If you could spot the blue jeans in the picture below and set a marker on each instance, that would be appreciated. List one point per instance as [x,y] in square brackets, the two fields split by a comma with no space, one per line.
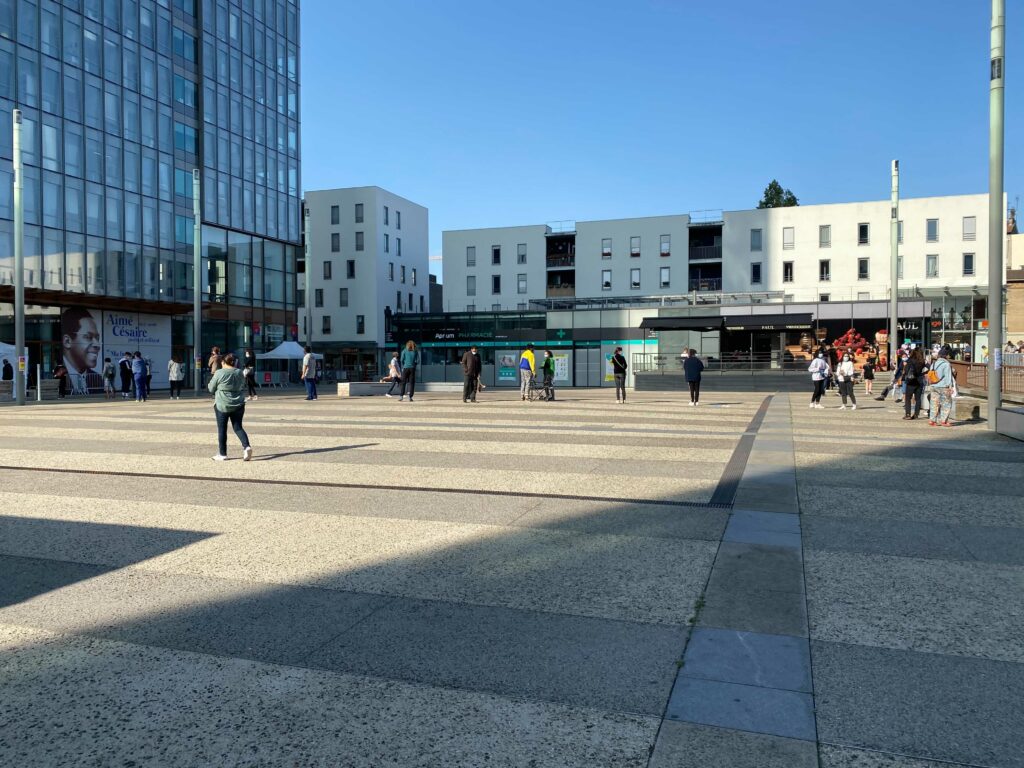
[235,417]
[310,389]
[140,387]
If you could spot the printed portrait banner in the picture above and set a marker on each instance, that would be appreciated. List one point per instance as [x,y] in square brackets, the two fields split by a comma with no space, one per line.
[81,340]
[148,334]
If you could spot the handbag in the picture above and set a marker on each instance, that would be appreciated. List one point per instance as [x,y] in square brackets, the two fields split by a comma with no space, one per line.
[932,376]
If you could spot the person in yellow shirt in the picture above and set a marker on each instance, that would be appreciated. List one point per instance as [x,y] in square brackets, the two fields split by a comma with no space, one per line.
[527,369]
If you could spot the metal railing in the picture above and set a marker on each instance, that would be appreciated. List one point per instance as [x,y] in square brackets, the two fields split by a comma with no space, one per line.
[778,362]
[974,376]
[706,284]
[561,290]
[698,252]
[561,261]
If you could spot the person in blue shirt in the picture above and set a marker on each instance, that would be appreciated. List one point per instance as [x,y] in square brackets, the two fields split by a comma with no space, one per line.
[139,371]
[692,369]
[527,370]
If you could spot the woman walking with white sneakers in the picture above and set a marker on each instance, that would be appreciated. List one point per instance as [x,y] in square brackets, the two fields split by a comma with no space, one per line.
[844,373]
[820,372]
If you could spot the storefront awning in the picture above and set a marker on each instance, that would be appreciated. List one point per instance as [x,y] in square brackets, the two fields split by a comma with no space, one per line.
[794,322]
[682,323]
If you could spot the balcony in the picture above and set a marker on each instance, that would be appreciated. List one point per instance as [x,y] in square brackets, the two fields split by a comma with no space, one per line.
[705,252]
[706,284]
[562,261]
[561,291]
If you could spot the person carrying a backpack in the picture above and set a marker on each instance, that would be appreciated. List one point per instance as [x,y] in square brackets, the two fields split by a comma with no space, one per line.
[913,380]
[619,366]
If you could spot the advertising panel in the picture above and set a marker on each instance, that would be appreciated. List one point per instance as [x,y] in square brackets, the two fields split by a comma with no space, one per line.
[148,334]
[507,363]
[563,369]
[81,343]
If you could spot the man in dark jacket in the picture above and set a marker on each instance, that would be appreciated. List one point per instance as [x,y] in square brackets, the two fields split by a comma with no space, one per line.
[471,367]
[693,366]
[619,366]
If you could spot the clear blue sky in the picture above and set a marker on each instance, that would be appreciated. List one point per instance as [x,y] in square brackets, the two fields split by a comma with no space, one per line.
[497,113]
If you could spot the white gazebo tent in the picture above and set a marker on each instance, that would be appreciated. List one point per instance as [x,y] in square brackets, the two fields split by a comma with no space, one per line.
[286,351]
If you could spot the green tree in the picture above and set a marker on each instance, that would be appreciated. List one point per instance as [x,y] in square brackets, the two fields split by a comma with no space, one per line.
[777,197]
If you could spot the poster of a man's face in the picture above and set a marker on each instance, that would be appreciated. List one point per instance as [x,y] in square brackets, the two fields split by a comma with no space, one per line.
[82,344]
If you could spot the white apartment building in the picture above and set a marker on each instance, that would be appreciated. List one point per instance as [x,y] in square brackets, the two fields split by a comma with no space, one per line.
[812,253]
[366,260]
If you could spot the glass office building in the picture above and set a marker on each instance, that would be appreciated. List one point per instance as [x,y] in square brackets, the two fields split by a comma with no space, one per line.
[121,100]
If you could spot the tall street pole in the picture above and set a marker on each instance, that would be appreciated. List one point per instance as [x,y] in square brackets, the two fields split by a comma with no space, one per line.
[308,321]
[894,272]
[996,229]
[197,283]
[19,266]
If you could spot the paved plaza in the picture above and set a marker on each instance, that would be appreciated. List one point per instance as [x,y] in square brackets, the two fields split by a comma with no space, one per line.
[745,584]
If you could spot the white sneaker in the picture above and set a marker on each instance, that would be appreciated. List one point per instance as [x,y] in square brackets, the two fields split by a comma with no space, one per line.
[388,395]
[692,403]
[853,407]
[811,405]
[617,400]
[842,407]
[247,453]
[219,457]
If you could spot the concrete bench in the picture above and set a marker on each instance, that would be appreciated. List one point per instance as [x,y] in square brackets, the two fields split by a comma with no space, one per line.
[1010,422]
[362,388]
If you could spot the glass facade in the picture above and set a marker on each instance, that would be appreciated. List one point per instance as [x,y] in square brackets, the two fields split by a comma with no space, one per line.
[121,100]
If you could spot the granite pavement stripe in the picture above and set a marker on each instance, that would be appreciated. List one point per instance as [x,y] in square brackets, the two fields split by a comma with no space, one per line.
[686,745]
[155,705]
[732,475]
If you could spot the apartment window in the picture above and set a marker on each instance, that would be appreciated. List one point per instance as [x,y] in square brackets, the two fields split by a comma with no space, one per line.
[825,236]
[471,285]
[398,223]
[422,306]
[665,277]
[318,297]
[398,300]
[495,284]
[359,241]
[413,275]
[335,242]
[495,254]
[634,246]
[968,265]
[899,232]
[387,243]
[755,273]
[863,234]
[343,298]
[325,326]
[863,272]
[359,213]
[606,279]
[521,253]
[634,279]
[970,229]
[863,295]
[391,271]
[824,297]
[398,246]
[931,265]
[386,216]
[825,270]
[327,270]
[401,274]
[360,324]
[788,238]
[899,267]
[787,271]
[350,269]
[335,215]
[520,283]
[470,256]
[931,230]
[756,240]
[666,245]
[606,247]
[471,307]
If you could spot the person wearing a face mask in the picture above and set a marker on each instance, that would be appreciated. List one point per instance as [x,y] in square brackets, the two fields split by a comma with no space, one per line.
[820,372]
[844,373]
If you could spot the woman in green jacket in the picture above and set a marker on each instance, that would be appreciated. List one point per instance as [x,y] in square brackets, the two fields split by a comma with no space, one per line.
[228,389]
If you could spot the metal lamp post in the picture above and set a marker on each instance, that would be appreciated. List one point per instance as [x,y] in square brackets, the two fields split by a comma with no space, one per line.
[894,271]
[19,266]
[996,230]
[197,282]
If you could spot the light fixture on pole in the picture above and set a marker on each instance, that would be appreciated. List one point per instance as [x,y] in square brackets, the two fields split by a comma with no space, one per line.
[996,210]
[197,283]
[20,373]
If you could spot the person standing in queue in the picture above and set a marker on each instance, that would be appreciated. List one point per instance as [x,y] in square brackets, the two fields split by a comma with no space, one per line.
[548,372]
[527,370]
[844,374]
[249,372]
[139,369]
[124,366]
[471,368]
[693,367]
[409,361]
[309,373]
[619,366]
